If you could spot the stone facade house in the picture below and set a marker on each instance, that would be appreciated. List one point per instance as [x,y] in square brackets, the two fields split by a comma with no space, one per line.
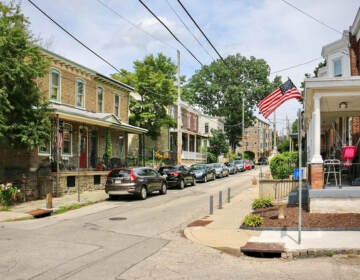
[332,125]
[89,109]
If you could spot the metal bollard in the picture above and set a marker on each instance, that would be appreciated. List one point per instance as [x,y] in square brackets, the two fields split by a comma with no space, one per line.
[211,204]
[228,195]
[220,199]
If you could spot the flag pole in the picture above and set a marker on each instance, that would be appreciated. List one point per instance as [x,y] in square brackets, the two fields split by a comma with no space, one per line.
[300,174]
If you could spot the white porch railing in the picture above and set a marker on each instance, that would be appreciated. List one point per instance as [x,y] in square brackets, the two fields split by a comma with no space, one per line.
[193,156]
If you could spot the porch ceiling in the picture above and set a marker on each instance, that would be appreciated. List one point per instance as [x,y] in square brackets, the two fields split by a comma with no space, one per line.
[332,91]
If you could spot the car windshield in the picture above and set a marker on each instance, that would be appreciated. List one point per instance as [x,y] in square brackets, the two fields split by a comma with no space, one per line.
[198,167]
[119,173]
[238,161]
[217,165]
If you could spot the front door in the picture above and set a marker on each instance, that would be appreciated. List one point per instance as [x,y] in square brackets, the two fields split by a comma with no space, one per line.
[83,148]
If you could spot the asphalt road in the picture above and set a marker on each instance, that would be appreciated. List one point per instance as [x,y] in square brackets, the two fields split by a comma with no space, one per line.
[133,239]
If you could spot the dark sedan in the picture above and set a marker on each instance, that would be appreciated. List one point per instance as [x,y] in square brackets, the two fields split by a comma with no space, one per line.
[177,176]
[203,172]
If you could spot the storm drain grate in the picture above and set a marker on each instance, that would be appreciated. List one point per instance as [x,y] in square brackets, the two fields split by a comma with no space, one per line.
[117,218]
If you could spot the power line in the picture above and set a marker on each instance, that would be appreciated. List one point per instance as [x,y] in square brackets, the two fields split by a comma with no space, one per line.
[310,16]
[202,33]
[133,24]
[72,36]
[168,29]
[188,29]
[297,65]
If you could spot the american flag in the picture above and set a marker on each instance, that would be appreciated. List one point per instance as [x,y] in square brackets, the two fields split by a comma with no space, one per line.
[283,93]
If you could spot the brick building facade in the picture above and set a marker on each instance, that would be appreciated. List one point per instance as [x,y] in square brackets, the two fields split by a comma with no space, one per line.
[87,109]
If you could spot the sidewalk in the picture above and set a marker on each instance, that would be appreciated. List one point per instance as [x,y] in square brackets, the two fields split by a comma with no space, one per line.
[223,233]
[21,210]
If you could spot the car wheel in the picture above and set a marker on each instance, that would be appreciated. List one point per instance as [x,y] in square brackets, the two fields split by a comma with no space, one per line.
[193,183]
[182,184]
[143,193]
[163,188]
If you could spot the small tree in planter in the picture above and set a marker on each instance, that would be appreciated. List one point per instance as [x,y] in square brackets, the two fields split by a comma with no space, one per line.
[283,165]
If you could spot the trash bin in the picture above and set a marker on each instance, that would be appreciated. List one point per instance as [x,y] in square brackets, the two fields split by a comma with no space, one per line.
[296,174]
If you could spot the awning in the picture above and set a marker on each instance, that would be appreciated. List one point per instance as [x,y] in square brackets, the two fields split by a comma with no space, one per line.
[70,113]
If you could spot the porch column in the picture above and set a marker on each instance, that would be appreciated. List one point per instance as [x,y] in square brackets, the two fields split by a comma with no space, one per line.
[316,158]
[316,168]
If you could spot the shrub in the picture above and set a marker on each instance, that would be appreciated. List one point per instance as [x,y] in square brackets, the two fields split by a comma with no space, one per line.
[7,192]
[253,220]
[261,203]
[283,165]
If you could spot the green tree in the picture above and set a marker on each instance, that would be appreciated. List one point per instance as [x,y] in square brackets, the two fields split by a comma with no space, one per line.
[249,155]
[24,113]
[153,80]
[219,89]
[284,146]
[218,143]
[294,126]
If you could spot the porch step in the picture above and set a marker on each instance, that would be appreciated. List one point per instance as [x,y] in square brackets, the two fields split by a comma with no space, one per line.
[40,213]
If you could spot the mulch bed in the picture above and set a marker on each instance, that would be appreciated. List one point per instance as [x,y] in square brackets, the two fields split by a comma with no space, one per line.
[308,220]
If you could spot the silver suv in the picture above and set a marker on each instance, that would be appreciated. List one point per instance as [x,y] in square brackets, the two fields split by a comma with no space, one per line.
[240,165]
[138,181]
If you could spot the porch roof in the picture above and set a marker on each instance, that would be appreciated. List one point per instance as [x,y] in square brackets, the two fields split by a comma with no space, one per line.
[71,113]
[332,91]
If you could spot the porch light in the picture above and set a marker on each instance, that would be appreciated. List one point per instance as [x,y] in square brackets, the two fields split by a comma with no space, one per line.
[343,105]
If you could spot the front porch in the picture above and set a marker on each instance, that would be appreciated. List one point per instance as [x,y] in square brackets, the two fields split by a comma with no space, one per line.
[331,124]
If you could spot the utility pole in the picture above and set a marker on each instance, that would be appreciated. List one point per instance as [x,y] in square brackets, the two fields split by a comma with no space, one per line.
[243,123]
[179,134]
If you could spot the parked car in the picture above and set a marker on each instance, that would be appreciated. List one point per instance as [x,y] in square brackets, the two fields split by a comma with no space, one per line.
[240,165]
[139,181]
[263,161]
[203,172]
[247,165]
[177,176]
[252,164]
[220,170]
[231,167]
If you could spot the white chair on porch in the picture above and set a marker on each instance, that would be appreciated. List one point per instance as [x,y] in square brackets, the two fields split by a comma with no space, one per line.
[332,170]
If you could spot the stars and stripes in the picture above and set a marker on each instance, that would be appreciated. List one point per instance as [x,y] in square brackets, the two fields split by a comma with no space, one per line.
[283,93]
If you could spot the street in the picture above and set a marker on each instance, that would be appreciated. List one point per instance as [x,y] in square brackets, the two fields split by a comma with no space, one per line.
[132,239]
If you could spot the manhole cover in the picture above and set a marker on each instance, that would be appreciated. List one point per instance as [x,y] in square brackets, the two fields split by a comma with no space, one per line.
[117,219]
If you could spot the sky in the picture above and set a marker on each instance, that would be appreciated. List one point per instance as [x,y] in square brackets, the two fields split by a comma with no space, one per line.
[285,33]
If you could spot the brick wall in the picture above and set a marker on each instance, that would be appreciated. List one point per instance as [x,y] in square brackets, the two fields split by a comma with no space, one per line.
[354,56]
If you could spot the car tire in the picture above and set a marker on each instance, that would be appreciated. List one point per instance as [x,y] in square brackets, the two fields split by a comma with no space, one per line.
[193,183]
[163,189]
[143,193]
[182,184]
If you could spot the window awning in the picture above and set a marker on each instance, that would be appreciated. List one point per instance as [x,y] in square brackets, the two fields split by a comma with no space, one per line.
[70,113]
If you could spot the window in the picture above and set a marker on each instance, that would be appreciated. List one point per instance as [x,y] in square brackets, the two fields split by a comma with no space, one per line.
[45,148]
[117,105]
[67,139]
[206,127]
[80,93]
[54,85]
[100,99]
[337,68]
